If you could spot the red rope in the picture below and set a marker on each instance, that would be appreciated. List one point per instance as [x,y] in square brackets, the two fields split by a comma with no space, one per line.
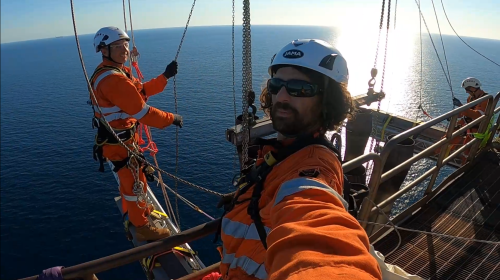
[212,276]
[151,146]
[423,111]
[136,67]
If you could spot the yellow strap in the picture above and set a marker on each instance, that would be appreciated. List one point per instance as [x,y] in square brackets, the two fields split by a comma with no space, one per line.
[484,136]
[270,160]
[384,127]
[185,250]
[160,213]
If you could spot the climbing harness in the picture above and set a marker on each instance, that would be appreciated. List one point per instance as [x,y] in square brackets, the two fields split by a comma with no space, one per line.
[256,175]
[106,124]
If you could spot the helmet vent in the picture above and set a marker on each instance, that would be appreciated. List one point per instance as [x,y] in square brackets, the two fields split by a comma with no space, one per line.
[327,61]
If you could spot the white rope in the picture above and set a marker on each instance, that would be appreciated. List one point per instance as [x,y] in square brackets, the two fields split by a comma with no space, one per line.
[434,233]
[134,58]
[392,225]
[189,203]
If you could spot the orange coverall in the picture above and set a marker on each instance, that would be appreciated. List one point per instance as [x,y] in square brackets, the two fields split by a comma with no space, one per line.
[310,233]
[465,118]
[124,98]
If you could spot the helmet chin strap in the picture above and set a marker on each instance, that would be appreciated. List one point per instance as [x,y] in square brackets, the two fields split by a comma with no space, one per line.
[109,56]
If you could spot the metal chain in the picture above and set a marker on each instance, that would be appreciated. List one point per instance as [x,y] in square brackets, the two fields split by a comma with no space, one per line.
[247,78]
[175,103]
[234,97]
[185,30]
[386,45]
[379,32]
[138,188]
[375,143]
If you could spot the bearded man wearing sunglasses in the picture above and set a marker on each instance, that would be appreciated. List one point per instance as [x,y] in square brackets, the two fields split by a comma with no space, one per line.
[289,219]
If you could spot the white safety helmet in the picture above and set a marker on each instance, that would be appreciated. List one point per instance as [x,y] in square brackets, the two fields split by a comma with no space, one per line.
[108,35]
[313,54]
[471,82]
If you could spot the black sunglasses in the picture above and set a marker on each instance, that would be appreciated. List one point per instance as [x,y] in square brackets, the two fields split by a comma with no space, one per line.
[295,88]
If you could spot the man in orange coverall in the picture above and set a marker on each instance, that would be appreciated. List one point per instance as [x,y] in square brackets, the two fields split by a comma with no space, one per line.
[293,223]
[122,101]
[473,87]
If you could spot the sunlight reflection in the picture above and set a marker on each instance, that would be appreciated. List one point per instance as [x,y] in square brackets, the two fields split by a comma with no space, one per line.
[402,75]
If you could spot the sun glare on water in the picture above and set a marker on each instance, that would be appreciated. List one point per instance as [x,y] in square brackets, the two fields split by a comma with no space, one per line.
[399,82]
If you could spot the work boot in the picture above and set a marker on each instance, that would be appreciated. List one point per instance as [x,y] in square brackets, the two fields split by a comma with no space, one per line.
[149,232]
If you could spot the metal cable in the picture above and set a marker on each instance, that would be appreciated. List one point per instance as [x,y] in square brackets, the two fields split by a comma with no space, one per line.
[444,50]
[175,104]
[463,40]
[110,129]
[435,49]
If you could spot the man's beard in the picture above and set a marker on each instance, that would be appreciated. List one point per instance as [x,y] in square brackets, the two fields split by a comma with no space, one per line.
[291,125]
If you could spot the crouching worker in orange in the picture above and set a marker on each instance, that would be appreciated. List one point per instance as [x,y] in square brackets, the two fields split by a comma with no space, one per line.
[473,87]
[122,101]
[288,219]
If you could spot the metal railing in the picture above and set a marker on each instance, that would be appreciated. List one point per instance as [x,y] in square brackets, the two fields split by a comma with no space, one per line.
[378,178]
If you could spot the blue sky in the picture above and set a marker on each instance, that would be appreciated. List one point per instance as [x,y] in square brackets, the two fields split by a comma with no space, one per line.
[35,19]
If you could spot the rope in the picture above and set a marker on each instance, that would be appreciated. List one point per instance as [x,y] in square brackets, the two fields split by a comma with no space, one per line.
[435,233]
[396,228]
[175,103]
[110,129]
[189,203]
[421,65]
[444,50]
[125,17]
[131,27]
[151,146]
[392,225]
[463,40]
[396,13]
[170,210]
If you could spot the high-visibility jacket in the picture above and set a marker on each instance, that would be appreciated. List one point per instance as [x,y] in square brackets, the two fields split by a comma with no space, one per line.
[122,99]
[310,234]
[473,113]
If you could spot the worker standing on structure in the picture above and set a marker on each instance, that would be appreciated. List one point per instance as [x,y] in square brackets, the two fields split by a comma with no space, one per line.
[122,101]
[473,87]
[288,219]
